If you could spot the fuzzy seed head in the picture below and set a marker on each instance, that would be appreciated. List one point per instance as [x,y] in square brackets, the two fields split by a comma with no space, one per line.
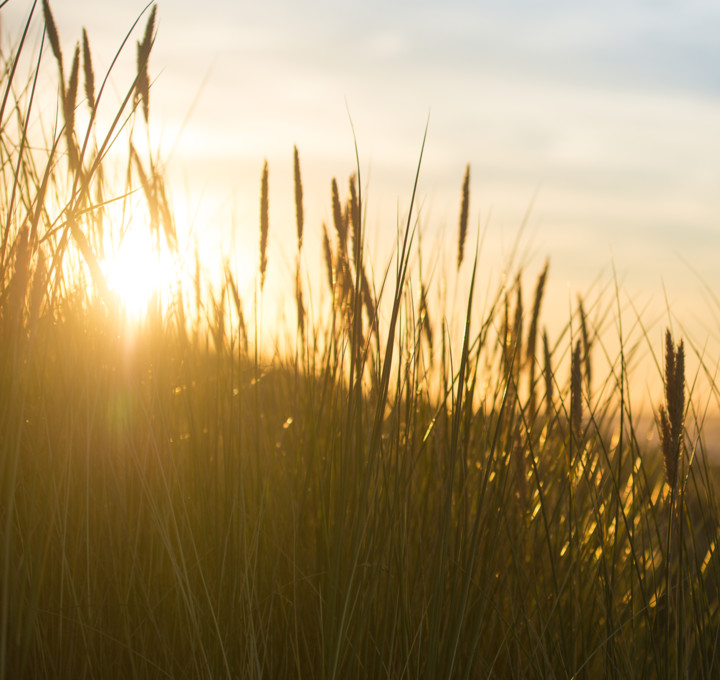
[548,375]
[299,214]
[586,344]
[52,34]
[354,219]
[69,103]
[532,333]
[264,223]
[517,325]
[338,219]
[576,407]
[89,73]
[464,211]
[672,412]
[142,85]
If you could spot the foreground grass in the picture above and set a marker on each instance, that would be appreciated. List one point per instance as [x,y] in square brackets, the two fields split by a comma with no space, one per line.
[374,505]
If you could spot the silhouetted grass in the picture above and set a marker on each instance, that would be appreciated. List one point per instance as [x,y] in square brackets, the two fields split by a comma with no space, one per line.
[177,504]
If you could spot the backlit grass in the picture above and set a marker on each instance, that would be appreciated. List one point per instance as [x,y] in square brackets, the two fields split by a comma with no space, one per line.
[381,500]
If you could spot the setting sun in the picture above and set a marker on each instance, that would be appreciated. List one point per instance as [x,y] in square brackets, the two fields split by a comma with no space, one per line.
[137,270]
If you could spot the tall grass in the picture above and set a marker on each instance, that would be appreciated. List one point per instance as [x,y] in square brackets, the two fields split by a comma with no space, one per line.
[177,504]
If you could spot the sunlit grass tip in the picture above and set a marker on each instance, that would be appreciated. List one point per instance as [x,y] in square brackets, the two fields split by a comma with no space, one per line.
[672,412]
[264,223]
[464,212]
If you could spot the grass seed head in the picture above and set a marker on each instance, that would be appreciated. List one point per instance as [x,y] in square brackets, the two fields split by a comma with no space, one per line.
[52,35]
[299,214]
[354,219]
[587,344]
[464,210]
[669,459]
[517,325]
[505,335]
[532,340]
[338,219]
[264,223]
[89,74]
[672,412]
[548,374]
[149,30]
[69,102]
[142,86]
[532,332]
[576,406]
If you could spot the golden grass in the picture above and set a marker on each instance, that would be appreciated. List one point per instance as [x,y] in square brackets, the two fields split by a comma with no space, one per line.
[183,504]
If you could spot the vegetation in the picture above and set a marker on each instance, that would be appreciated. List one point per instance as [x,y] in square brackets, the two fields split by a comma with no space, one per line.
[379,502]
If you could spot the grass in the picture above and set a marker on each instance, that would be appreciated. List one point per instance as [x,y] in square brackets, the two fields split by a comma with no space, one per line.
[384,500]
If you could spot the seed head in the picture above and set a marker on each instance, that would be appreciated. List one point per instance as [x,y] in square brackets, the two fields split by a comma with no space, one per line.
[264,223]
[464,209]
[52,34]
[672,412]
[89,73]
[576,408]
[299,214]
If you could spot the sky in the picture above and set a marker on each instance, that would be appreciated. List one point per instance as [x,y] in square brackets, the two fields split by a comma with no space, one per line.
[604,118]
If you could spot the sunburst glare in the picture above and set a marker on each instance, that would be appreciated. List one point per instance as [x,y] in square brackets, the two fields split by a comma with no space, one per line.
[138,269]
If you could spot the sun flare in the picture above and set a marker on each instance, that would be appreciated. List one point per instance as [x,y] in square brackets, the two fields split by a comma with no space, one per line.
[137,270]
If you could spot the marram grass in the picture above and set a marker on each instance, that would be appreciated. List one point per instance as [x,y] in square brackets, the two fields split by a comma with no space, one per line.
[372,505]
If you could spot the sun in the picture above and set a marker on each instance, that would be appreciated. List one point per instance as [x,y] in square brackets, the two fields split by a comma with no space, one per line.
[137,270]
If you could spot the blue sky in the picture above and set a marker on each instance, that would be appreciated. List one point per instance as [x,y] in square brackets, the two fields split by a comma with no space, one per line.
[608,112]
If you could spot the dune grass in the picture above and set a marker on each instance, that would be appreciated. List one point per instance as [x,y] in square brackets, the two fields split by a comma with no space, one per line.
[382,501]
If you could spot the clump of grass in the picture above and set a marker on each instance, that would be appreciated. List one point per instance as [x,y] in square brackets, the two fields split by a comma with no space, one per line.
[182,503]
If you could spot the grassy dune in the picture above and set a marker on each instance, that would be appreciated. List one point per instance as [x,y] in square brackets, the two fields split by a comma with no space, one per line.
[380,501]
